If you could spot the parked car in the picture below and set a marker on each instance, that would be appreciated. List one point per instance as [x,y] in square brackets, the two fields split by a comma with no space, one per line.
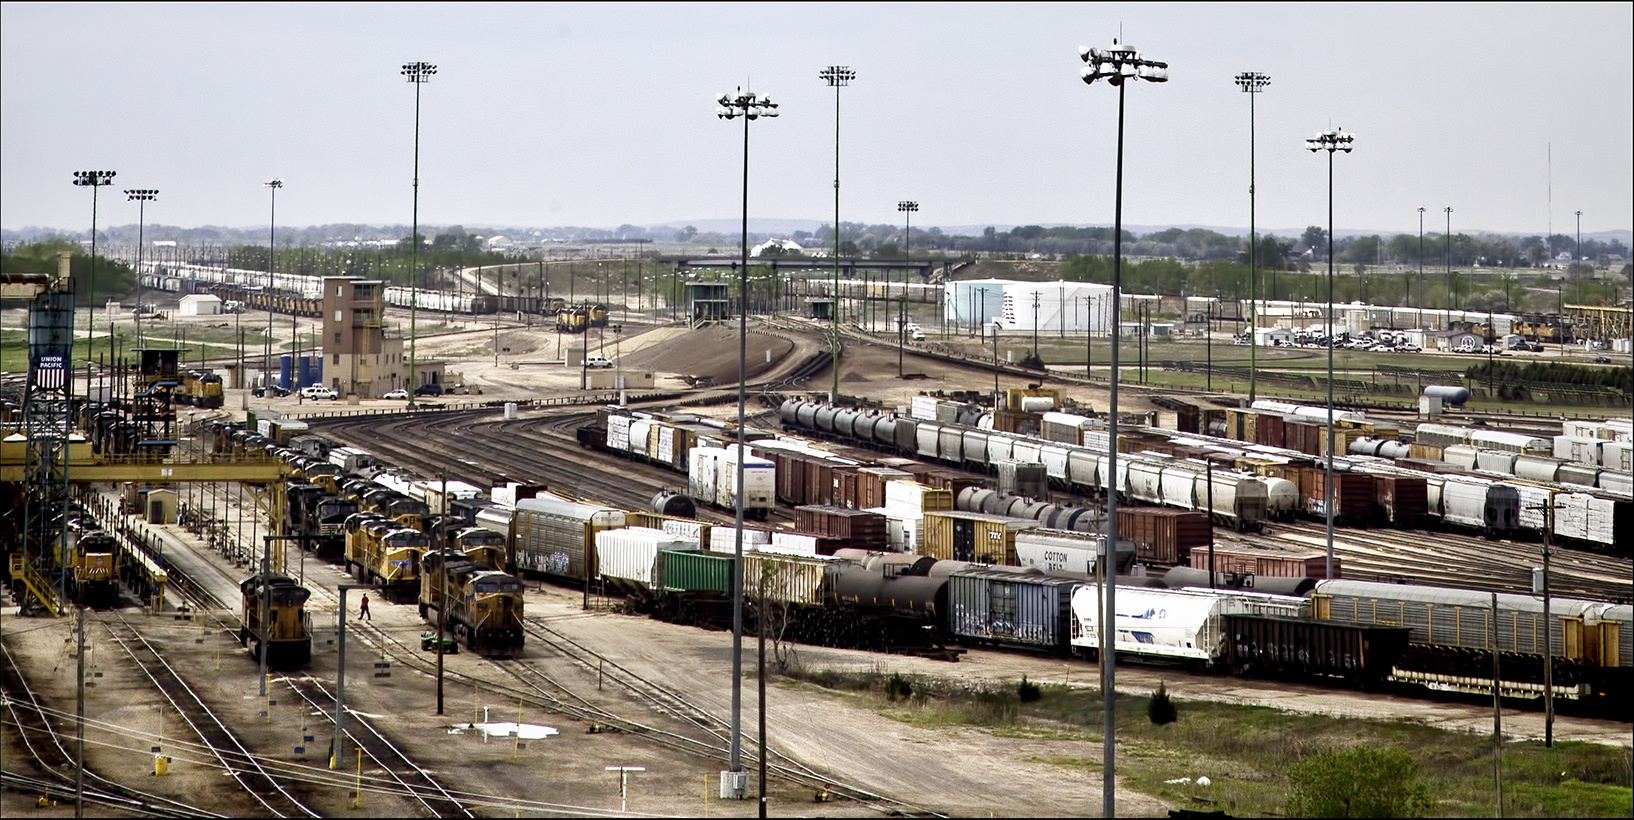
[459,390]
[1602,360]
[597,361]
[271,390]
[318,391]
[432,389]
[399,394]
[916,334]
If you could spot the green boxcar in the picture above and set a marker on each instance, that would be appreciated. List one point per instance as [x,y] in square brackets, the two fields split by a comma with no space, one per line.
[692,571]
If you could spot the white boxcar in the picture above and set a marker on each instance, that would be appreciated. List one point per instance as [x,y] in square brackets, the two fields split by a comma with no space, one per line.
[759,482]
[725,539]
[1511,442]
[1055,462]
[1170,623]
[1578,449]
[924,408]
[1055,551]
[1617,455]
[703,467]
[630,554]
[640,434]
[618,433]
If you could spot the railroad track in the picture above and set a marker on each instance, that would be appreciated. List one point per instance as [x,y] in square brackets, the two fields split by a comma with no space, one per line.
[1444,560]
[667,701]
[268,790]
[409,777]
[45,745]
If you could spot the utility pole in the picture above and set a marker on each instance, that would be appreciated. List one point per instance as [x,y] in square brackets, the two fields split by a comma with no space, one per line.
[79,716]
[1548,631]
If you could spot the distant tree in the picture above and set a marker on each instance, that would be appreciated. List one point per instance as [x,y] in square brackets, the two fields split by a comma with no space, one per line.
[686,234]
[1360,782]
[849,248]
[1315,237]
[888,250]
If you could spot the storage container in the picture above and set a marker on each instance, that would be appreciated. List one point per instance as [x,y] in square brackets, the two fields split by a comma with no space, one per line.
[1008,607]
[959,536]
[1162,535]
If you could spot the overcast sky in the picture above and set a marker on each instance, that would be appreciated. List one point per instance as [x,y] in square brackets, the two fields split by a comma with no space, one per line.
[603,114]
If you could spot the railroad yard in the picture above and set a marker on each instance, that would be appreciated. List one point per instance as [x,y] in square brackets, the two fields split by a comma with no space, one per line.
[601,681]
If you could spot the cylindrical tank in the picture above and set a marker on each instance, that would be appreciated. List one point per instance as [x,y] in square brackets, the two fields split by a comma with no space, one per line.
[970,499]
[1448,393]
[996,503]
[1015,506]
[285,364]
[843,421]
[885,431]
[825,418]
[1037,404]
[897,563]
[317,369]
[806,414]
[510,411]
[303,373]
[673,504]
[788,411]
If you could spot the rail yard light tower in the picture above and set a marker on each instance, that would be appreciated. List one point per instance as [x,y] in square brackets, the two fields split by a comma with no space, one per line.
[419,74]
[1252,83]
[907,208]
[272,254]
[141,196]
[748,106]
[837,76]
[1448,209]
[1119,65]
[1579,250]
[1330,141]
[93,180]
[1421,267]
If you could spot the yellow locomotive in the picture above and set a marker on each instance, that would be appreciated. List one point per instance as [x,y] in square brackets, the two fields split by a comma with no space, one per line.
[95,567]
[199,388]
[382,551]
[483,605]
[483,546]
[289,627]
[573,319]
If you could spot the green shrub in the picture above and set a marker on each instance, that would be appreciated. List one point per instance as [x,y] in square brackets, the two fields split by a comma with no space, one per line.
[898,687]
[1161,708]
[1360,782]
[1028,691]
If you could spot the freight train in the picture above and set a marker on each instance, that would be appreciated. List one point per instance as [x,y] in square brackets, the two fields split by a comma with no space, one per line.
[381,551]
[1360,634]
[1369,489]
[95,557]
[483,606]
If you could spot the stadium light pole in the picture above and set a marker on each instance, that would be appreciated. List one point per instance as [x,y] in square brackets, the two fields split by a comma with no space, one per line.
[272,253]
[1448,209]
[1421,267]
[1579,235]
[1330,141]
[419,74]
[837,76]
[907,208]
[1252,83]
[1119,66]
[93,180]
[141,196]
[748,106]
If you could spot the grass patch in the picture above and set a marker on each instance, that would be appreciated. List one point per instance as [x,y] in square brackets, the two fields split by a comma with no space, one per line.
[1247,751]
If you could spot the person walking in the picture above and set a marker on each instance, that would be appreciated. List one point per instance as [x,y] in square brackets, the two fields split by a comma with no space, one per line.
[363,610]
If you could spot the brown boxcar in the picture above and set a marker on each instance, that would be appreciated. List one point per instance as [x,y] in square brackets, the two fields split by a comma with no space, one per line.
[1354,496]
[871,485]
[865,530]
[1162,535]
[1403,500]
[1262,561]
[1270,429]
